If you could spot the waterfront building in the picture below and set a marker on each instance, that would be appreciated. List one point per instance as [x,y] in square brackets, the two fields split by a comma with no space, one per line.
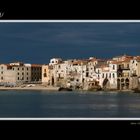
[135,72]
[60,74]
[36,73]
[135,66]
[123,74]
[46,75]
[107,76]
[22,72]
[7,74]
[15,73]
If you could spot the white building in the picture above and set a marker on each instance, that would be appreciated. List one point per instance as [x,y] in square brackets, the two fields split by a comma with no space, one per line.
[15,72]
[135,66]
[55,61]
[107,76]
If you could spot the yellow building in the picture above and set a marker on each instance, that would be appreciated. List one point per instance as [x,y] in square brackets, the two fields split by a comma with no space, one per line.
[46,75]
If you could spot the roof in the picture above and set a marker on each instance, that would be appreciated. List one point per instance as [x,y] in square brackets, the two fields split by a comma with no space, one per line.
[80,62]
[137,58]
[36,65]
[126,60]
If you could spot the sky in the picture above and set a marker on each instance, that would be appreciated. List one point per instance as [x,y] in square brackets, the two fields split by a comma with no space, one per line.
[39,42]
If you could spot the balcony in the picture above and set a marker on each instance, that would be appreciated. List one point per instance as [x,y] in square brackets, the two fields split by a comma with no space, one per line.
[133,75]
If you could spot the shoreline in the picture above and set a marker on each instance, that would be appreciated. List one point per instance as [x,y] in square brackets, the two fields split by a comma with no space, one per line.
[30,88]
[57,89]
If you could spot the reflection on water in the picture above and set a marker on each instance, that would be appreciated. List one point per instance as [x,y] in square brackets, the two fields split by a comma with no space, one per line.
[68,104]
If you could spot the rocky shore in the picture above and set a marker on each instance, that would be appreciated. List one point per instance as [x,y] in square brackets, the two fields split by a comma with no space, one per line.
[51,88]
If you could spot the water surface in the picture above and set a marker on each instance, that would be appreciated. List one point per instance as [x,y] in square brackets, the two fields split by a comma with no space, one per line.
[54,104]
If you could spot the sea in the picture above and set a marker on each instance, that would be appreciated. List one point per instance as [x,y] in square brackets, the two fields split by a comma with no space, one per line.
[69,104]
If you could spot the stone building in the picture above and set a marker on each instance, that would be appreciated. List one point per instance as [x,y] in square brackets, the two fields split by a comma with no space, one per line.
[15,73]
[46,75]
[135,66]
[22,72]
[7,74]
[135,73]
[36,73]
[107,76]
[123,74]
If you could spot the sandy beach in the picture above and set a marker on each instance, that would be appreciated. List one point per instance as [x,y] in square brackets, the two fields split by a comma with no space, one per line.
[30,88]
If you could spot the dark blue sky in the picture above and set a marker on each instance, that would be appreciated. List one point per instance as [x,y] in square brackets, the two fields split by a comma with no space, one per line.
[38,42]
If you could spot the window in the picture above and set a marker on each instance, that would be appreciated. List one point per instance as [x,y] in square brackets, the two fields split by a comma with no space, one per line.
[98,71]
[113,75]
[77,80]
[103,75]
[2,72]
[113,67]
[110,75]
[22,78]
[27,68]
[136,64]
[127,65]
[122,66]
[1,78]
[45,75]
[133,61]
[44,70]
[22,68]
[13,68]
[18,73]
[98,76]
[22,73]
[18,78]
[106,75]
[27,73]
[18,68]
[27,78]
[1,67]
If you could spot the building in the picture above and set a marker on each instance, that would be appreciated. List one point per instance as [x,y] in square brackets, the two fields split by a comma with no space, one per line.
[135,73]
[46,75]
[107,76]
[55,61]
[135,66]
[7,74]
[15,73]
[22,72]
[36,73]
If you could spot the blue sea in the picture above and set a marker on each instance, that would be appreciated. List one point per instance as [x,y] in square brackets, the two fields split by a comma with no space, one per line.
[54,104]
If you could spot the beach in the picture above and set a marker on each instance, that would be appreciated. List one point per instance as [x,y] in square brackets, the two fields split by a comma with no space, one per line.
[30,88]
